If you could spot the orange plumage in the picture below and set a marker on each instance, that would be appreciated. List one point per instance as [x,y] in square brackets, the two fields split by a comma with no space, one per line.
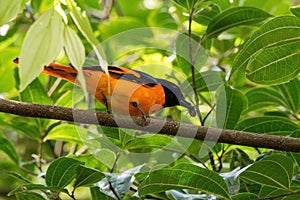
[128,92]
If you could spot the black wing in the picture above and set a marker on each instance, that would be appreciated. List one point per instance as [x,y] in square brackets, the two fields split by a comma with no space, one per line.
[132,76]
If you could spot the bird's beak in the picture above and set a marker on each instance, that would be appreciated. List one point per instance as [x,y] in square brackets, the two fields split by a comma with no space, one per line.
[191,108]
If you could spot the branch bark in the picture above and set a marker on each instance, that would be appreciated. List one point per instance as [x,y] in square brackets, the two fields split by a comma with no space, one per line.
[155,125]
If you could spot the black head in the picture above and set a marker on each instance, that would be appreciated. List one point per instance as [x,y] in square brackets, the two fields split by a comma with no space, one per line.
[174,96]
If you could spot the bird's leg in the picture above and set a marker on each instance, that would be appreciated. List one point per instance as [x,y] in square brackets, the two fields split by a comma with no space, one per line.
[106,103]
[135,104]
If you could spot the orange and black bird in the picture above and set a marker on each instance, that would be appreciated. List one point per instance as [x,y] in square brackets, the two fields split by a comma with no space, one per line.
[129,92]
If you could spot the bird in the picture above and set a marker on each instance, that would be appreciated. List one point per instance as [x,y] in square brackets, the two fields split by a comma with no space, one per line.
[122,90]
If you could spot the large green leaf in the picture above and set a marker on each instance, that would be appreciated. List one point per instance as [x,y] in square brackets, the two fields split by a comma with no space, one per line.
[230,104]
[7,147]
[43,42]
[274,65]
[279,30]
[61,172]
[74,47]
[35,93]
[273,125]
[234,17]
[182,176]
[262,172]
[267,191]
[261,97]
[291,94]
[9,10]
[146,143]
[67,132]
[87,176]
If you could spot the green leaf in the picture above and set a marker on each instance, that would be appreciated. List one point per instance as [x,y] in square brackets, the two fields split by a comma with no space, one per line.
[187,4]
[291,94]
[274,65]
[273,125]
[295,10]
[229,106]
[74,47]
[234,17]
[61,172]
[82,22]
[262,172]
[7,147]
[162,18]
[42,43]
[9,10]
[87,176]
[207,81]
[67,133]
[267,191]
[98,195]
[35,93]
[147,143]
[19,177]
[24,126]
[260,98]
[205,15]
[244,196]
[183,176]
[7,75]
[279,30]
[29,196]
[31,187]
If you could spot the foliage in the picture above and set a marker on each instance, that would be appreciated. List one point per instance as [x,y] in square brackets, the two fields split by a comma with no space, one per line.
[236,61]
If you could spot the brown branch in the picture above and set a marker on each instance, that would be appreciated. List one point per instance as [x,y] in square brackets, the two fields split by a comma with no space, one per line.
[173,128]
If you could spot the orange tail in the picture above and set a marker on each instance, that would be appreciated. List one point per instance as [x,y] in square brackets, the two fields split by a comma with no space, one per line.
[65,72]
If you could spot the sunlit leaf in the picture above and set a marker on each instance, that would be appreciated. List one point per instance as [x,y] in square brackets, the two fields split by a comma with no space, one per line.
[43,42]
[74,47]
[234,17]
[67,132]
[153,142]
[9,10]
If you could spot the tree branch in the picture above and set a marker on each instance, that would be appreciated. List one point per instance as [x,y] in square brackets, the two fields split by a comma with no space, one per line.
[173,128]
